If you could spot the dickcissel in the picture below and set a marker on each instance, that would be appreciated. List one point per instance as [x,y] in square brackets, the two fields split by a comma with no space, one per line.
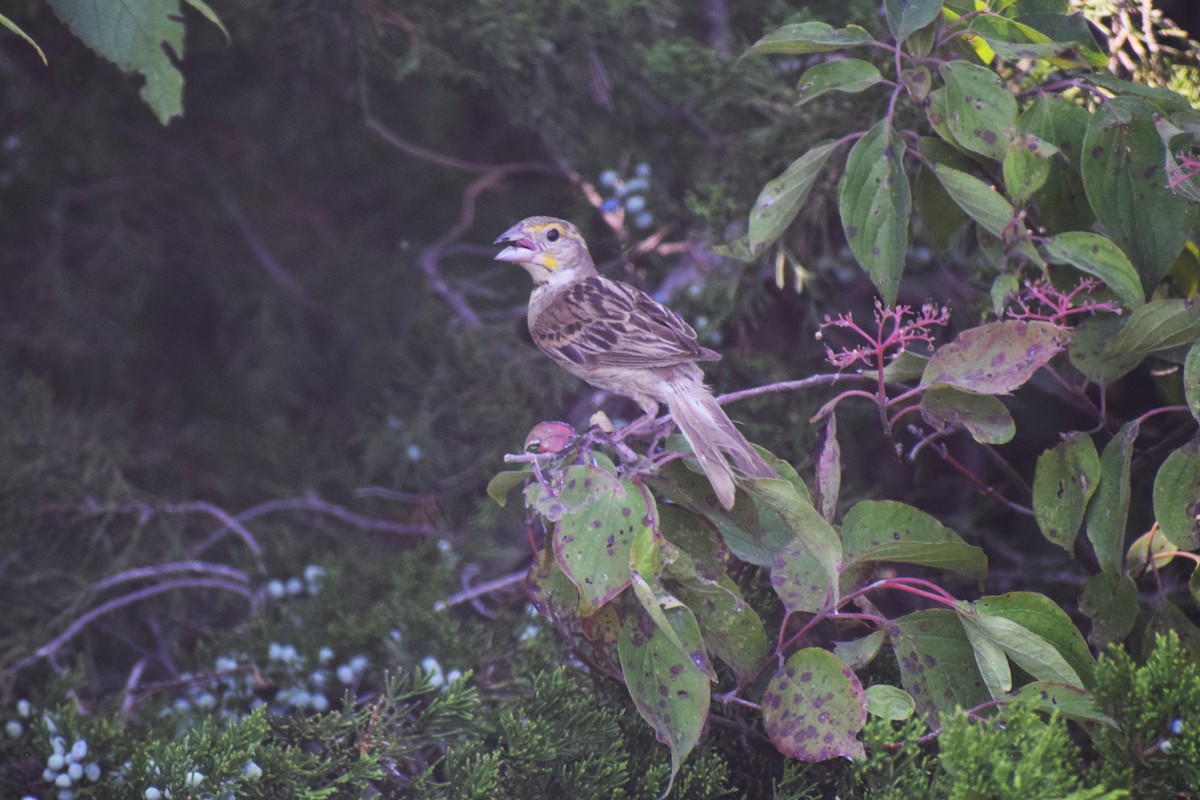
[618,338]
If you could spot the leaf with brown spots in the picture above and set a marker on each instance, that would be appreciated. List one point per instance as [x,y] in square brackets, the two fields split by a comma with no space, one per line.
[1070,702]
[874,201]
[670,690]
[1124,174]
[982,112]
[814,708]
[1063,482]
[995,358]
[596,519]
[937,662]
[805,572]
[732,630]
[887,530]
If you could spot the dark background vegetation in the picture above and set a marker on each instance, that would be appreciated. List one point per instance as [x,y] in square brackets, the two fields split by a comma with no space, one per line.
[289,293]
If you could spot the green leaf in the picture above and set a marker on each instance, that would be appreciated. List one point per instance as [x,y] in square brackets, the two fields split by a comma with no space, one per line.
[669,690]
[1064,480]
[780,200]
[887,530]
[498,488]
[551,591]
[843,75]
[801,581]
[1157,325]
[645,551]
[860,652]
[920,43]
[889,702]
[1061,200]
[936,113]
[753,532]
[1125,180]
[1111,603]
[809,37]
[918,81]
[1167,619]
[981,111]
[1054,19]
[597,519]
[1164,99]
[206,11]
[814,708]
[1151,546]
[1191,380]
[1177,497]
[140,36]
[981,202]
[905,17]
[1088,350]
[732,631]
[908,366]
[805,573]
[1005,287]
[1015,40]
[1109,509]
[1098,256]
[995,358]
[874,202]
[1026,166]
[937,663]
[940,217]
[1069,702]
[1044,619]
[985,417]
[654,603]
[12,26]
[990,657]
[695,536]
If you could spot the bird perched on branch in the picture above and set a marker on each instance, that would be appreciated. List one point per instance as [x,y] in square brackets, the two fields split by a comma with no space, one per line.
[618,338]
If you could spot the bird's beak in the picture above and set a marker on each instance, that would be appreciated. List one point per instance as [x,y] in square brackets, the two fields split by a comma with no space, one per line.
[520,247]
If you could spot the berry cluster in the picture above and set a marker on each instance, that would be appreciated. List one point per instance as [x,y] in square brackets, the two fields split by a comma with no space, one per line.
[629,194]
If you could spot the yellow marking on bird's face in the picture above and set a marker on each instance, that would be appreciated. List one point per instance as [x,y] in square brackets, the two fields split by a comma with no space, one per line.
[549,233]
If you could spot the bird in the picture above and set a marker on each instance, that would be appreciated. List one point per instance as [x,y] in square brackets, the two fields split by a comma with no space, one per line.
[620,339]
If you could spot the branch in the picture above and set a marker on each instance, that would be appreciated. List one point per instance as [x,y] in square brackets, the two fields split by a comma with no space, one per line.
[341,513]
[487,587]
[274,268]
[165,569]
[145,511]
[51,648]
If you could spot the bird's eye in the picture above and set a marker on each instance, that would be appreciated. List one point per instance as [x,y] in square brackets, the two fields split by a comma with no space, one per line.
[552,235]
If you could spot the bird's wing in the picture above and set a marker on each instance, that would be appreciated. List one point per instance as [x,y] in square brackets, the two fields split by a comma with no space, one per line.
[599,322]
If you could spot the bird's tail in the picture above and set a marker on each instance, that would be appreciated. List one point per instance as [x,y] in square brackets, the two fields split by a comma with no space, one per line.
[713,436]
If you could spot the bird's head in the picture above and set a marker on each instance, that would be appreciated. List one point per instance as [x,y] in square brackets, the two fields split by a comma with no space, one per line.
[551,250]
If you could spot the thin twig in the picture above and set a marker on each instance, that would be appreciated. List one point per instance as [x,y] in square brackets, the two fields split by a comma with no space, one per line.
[274,268]
[340,513]
[51,648]
[159,570]
[145,511]
[487,587]
[791,386]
